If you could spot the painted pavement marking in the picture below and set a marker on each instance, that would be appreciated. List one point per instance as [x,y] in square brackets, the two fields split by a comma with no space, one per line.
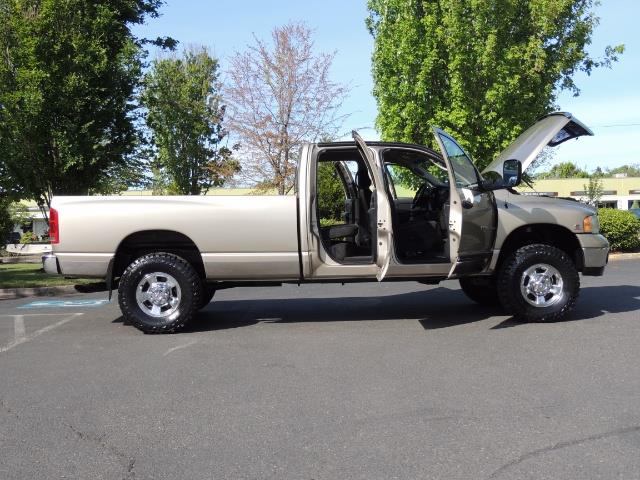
[64,304]
[19,331]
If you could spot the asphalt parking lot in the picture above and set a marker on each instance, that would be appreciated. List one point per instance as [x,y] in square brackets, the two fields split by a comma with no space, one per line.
[363,381]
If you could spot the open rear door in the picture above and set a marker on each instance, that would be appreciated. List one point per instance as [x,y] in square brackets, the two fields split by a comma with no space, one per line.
[472,211]
[383,209]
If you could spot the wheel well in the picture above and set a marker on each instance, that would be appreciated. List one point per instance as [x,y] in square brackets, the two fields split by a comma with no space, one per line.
[548,234]
[148,241]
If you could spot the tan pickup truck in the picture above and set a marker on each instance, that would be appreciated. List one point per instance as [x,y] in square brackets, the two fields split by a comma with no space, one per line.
[410,213]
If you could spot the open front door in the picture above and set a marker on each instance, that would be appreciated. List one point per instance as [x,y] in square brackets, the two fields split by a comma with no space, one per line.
[472,212]
[382,208]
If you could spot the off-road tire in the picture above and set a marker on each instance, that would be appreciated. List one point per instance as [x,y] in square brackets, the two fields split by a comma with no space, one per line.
[481,289]
[181,271]
[208,291]
[511,273]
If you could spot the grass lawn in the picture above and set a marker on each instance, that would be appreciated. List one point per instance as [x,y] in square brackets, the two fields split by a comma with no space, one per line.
[18,275]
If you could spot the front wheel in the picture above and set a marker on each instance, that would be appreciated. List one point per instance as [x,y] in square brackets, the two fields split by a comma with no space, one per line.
[481,289]
[159,293]
[538,283]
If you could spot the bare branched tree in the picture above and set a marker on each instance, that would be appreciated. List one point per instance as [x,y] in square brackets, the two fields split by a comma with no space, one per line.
[279,96]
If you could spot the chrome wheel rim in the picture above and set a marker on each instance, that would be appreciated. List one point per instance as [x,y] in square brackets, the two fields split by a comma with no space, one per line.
[541,285]
[158,294]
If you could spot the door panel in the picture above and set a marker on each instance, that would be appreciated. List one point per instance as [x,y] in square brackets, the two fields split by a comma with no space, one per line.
[383,208]
[472,214]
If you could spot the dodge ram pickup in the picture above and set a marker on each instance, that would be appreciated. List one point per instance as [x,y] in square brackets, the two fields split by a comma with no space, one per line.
[410,213]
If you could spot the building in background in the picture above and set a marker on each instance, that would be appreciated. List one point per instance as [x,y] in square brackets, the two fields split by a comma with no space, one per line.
[622,193]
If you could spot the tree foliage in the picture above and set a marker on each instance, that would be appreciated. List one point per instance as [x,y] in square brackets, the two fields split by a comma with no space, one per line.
[484,70]
[280,95]
[185,116]
[68,72]
[11,214]
[331,193]
[564,170]
[6,222]
[594,190]
[629,170]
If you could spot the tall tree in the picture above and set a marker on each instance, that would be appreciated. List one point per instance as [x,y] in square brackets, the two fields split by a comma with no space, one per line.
[68,71]
[484,70]
[280,95]
[185,116]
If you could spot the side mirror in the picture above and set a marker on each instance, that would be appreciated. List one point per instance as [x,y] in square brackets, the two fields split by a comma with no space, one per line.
[511,176]
[511,172]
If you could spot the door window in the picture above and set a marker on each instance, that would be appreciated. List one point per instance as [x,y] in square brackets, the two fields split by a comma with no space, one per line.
[403,182]
[464,171]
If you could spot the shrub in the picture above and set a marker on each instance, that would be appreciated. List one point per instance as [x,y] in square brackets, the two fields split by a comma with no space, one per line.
[28,237]
[622,228]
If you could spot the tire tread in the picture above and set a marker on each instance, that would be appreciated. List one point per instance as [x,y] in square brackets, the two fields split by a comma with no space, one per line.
[129,307]
[506,283]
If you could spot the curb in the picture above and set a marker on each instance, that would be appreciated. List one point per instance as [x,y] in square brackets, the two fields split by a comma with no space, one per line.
[13,293]
[21,259]
[624,256]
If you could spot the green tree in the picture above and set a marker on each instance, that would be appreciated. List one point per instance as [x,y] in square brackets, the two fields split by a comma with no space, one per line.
[564,170]
[594,190]
[331,193]
[6,222]
[484,70]
[11,214]
[68,74]
[629,170]
[185,116]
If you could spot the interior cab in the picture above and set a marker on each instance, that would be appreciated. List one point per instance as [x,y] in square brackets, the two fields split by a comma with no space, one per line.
[381,209]
[418,188]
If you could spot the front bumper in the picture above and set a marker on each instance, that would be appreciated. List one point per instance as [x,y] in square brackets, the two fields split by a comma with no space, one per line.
[50,264]
[595,252]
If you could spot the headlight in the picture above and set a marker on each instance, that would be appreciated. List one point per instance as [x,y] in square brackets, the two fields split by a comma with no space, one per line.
[591,224]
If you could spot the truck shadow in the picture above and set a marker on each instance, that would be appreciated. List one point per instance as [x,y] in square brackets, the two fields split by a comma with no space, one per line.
[596,302]
[434,309]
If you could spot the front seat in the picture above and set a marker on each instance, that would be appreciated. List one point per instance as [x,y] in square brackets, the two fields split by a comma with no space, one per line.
[363,182]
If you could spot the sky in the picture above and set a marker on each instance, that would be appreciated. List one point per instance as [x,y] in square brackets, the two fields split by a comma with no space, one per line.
[609,102]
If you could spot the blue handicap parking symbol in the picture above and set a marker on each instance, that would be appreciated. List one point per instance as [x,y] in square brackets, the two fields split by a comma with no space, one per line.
[65,303]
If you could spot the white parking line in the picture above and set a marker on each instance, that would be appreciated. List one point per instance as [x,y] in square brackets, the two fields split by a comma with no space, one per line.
[18,328]
[20,336]
[188,344]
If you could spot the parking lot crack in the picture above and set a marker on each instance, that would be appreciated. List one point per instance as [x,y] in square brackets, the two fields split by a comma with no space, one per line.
[127,461]
[8,410]
[561,445]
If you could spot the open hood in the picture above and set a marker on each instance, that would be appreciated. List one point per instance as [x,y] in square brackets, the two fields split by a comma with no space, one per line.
[551,130]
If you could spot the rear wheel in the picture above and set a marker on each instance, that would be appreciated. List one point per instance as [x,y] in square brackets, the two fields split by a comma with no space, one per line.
[482,290]
[159,293]
[538,283]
